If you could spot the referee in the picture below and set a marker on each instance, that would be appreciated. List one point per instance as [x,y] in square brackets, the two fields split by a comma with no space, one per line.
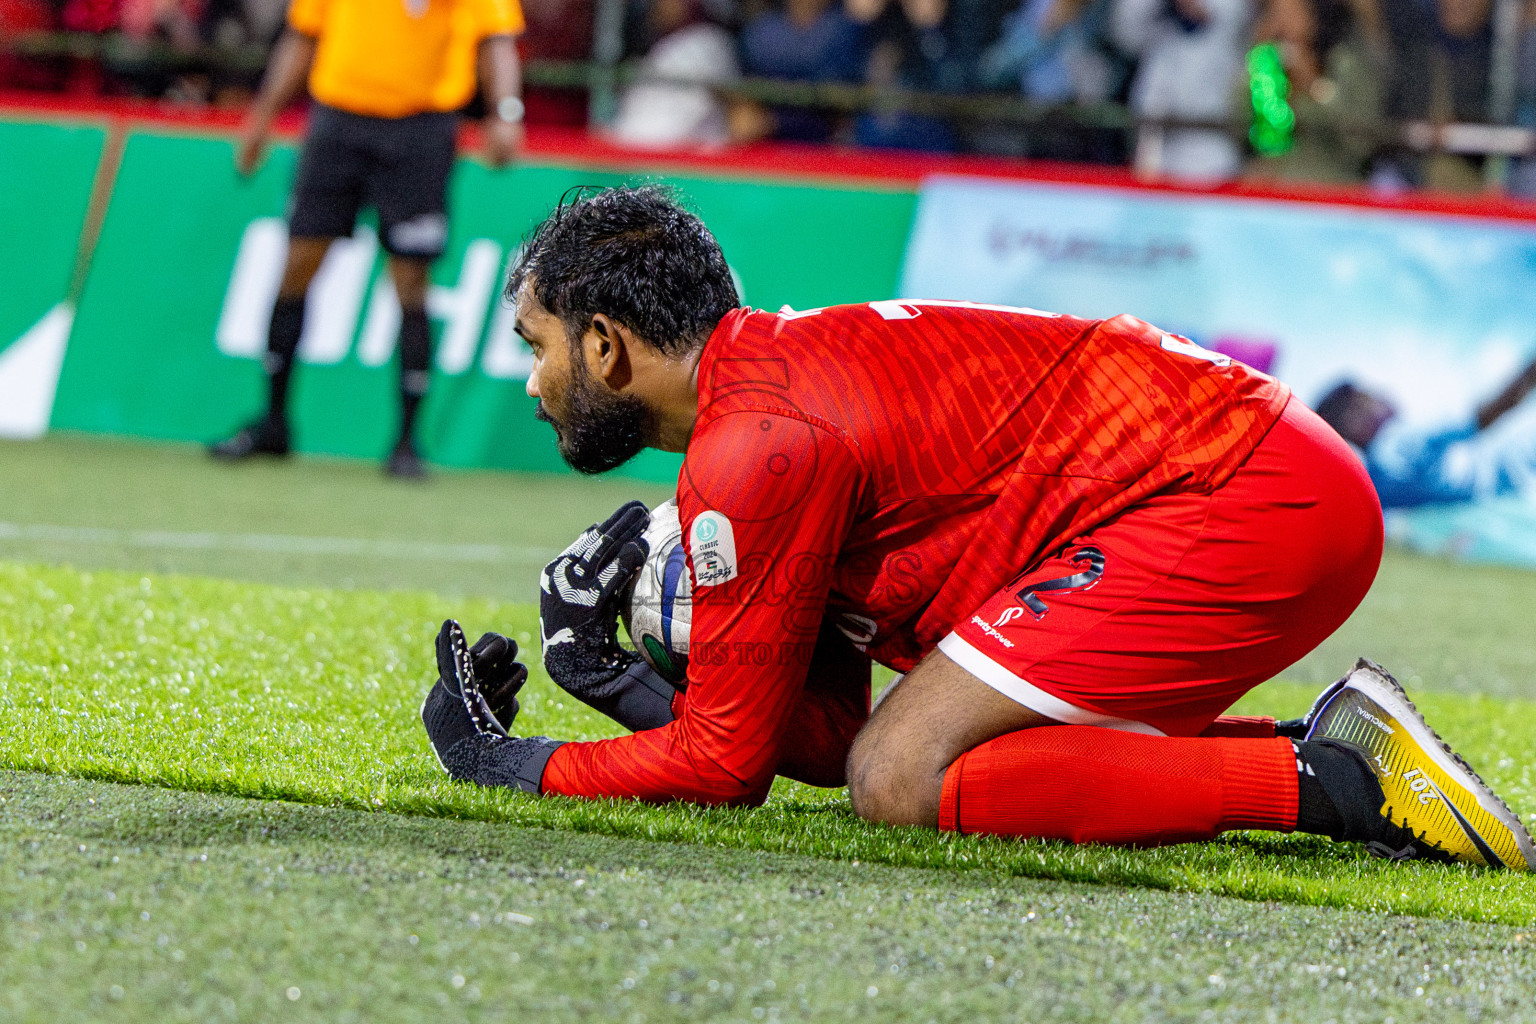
[387,78]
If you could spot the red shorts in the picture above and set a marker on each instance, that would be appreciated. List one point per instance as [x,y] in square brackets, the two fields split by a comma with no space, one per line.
[1159,619]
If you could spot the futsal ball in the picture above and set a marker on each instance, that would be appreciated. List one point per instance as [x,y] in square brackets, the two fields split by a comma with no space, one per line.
[657,609]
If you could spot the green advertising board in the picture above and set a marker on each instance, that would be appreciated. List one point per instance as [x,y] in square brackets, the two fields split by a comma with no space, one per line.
[171,326]
[45,188]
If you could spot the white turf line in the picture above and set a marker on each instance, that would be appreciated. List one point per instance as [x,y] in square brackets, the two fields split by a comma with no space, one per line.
[273,544]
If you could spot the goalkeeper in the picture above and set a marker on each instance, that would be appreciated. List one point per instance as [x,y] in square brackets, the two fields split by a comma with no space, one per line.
[1080,540]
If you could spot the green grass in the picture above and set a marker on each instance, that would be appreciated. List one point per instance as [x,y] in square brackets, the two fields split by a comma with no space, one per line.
[311,695]
[133,904]
[111,504]
[289,665]
[139,507]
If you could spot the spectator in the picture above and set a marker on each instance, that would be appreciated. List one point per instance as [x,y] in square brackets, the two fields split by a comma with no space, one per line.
[232,24]
[1522,175]
[90,15]
[1058,52]
[1334,55]
[1455,462]
[1055,51]
[557,30]
[909,49]
[1191,53]
[175,21]
[264,19]
[229,23]
[19,17]
[674,101]
[801,41]
[1440,55]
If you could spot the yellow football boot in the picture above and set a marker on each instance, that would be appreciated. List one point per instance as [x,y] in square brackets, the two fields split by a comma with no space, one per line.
[1435,807]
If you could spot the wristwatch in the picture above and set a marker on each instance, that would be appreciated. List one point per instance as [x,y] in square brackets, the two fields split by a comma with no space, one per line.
[511,109]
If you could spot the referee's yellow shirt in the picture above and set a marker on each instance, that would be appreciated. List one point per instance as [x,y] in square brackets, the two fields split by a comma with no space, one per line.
[394,58]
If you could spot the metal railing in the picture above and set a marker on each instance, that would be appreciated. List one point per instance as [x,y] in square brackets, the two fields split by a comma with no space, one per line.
[603,78]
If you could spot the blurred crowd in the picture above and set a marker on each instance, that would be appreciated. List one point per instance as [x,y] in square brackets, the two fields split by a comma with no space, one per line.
[1325,84]
[1347,72]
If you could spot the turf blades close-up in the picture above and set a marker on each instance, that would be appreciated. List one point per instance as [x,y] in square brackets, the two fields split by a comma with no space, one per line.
[169,907]
[312,695]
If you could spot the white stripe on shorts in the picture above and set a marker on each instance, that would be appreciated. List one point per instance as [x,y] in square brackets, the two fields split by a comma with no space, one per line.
[1031,696]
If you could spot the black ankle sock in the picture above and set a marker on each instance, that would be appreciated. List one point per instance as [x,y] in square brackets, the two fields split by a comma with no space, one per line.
[1292,728]
[282,343]
[415,366]
[1337,793]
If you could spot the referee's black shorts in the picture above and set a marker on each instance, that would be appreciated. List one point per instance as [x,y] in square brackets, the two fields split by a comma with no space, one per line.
[399,166]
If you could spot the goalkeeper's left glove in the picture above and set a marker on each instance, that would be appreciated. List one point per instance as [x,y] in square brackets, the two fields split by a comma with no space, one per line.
[470,707]
[579,597]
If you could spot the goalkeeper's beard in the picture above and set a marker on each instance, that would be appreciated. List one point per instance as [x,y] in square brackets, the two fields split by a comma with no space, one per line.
[601,430]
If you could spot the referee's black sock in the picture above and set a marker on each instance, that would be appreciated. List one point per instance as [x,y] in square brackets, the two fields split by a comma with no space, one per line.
[415,366]
[282,343]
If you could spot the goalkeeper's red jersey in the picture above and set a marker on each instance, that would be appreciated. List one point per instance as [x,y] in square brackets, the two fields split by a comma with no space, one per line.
[889,466]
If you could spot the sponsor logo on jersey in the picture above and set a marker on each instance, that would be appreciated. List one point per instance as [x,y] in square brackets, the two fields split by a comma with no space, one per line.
[712,542]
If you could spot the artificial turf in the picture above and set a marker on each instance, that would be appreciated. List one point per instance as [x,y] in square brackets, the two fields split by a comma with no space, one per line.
[134,904]
[100,503]
[312,695]
[296,674]
[122,504]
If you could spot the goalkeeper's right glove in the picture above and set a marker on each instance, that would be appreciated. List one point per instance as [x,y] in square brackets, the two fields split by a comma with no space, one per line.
[579,597]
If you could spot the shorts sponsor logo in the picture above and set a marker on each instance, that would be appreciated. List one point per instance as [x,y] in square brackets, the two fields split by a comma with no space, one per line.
[1009,614]
[712,542]
[987,628]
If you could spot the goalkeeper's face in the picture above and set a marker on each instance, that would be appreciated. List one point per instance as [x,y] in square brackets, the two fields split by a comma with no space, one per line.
[596,428]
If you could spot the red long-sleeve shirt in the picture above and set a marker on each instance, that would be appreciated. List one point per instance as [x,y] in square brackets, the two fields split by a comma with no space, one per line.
[889,466]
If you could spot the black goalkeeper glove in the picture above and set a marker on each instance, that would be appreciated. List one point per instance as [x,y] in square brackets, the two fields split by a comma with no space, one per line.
[579,599]
[471,706]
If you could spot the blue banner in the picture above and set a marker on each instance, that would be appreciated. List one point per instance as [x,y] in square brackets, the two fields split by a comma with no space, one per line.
[1434,314]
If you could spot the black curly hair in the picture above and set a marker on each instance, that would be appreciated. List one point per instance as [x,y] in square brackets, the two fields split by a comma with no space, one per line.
[632,253]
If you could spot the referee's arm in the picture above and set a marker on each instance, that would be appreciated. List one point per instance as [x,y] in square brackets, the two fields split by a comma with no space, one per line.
[501,83]
[287,71]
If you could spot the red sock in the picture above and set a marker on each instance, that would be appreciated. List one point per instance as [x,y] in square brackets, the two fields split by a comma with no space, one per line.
[1085,784]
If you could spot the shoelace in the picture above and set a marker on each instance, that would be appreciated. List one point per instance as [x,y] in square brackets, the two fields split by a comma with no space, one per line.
[1411,845]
